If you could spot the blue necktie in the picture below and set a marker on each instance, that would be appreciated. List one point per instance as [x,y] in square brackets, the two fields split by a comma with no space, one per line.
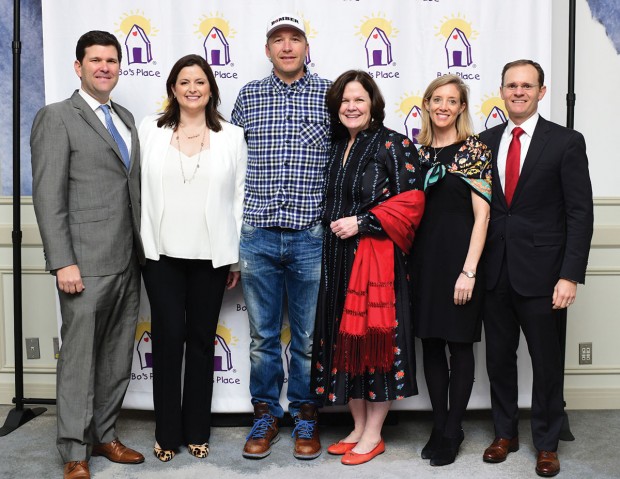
[122,146]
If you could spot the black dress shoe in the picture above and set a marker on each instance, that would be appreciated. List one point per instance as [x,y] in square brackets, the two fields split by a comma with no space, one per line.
[447,451]
[433,444]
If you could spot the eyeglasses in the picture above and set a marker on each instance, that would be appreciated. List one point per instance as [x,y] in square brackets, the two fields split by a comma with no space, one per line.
[523,86]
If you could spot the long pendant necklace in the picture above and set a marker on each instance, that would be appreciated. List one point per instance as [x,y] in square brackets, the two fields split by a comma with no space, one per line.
[202,142]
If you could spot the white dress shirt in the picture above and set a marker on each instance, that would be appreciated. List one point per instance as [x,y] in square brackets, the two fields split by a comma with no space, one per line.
[118,123]
[528,126]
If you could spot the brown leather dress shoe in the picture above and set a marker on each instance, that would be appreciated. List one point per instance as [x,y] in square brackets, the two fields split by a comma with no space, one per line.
[76,470]
[306,433]
[547,464]
[115,451]
[264,433]
[499,449]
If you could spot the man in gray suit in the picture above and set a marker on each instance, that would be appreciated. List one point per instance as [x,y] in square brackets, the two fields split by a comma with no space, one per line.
[86,193]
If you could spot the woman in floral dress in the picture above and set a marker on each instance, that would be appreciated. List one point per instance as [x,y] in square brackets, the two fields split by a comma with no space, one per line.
[363,353]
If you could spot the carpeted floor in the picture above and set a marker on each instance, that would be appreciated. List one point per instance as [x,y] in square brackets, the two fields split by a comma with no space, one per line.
[30,451]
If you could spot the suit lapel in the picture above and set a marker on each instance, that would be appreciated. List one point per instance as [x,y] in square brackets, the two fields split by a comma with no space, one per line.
[497,188]
[90,117]
[537,145]
[126,119]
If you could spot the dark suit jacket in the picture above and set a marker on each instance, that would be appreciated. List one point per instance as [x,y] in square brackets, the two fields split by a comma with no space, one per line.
[86,202]
[545,234]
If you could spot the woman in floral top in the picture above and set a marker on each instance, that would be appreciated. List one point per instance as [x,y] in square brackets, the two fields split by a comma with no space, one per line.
[447,278]
[363,353]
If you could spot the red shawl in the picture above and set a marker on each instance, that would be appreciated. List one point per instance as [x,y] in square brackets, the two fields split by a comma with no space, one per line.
[366,336]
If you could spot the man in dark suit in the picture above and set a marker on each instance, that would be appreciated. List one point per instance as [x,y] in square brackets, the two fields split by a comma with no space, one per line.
[86,194]
[536,252]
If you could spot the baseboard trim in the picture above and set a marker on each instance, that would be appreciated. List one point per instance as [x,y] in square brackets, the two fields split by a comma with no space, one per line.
[576,398]
[592,398]
[39,391]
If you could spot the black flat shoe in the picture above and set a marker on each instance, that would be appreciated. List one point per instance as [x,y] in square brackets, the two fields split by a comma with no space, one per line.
[447,451]
[432,445]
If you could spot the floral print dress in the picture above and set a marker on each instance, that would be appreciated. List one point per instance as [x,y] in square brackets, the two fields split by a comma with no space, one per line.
[381,164]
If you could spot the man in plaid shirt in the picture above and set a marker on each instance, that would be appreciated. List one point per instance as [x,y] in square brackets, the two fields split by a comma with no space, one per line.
[286,126]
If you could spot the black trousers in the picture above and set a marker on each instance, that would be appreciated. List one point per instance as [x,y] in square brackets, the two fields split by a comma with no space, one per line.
[185,297]
[506,313]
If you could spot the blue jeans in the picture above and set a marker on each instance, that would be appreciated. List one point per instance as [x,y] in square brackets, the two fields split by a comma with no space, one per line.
[278,264]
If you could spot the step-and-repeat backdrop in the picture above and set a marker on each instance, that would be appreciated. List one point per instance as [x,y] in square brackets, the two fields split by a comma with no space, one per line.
[403,45]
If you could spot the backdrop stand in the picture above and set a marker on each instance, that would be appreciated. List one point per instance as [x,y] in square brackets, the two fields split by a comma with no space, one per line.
[565,432]
[19,415]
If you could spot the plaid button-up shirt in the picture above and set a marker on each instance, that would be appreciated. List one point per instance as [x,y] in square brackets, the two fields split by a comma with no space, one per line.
[287,132]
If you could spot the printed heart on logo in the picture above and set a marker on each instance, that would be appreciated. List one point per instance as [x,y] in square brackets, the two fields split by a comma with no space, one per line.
[494,115]
[135,34]
[376,35]
[213,35]
[414,114]
[455,36]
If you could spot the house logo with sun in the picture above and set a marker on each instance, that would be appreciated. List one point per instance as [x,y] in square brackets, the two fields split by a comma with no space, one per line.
[457,34]
[222,357]
[410,109]
[491,111]
[144,347]
[285,339]
[216,32]
[311,33]
[136,31]
[377,33]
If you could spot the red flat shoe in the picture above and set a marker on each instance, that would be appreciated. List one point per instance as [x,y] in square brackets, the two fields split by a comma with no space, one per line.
[340,448]
[353,459]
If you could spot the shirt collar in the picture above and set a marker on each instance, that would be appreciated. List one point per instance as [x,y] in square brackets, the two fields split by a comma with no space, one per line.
[297,85]
[528,125]
[94,104]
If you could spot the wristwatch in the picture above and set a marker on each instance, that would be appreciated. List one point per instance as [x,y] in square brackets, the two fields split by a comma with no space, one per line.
[469,274]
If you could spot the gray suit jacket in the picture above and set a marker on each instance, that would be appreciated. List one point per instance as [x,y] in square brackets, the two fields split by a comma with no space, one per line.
[86,202]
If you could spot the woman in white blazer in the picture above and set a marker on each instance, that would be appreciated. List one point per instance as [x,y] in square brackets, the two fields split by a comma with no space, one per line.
[193,169]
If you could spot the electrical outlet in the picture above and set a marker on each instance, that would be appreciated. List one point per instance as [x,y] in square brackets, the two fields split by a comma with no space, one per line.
[56,348]
[32,348]
[585,353]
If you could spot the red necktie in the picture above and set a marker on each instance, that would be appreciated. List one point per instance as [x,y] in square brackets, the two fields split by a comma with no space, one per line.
[513,161]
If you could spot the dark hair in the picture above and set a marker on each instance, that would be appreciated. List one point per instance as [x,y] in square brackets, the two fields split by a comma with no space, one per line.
[96,37]
[519,63]
[172,114]
[334,100]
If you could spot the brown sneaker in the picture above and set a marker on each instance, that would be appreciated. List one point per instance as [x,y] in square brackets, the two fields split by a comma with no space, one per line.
[264,433]
[306,433]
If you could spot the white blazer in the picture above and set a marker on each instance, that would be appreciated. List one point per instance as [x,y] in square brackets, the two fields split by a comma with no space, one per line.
[223,209]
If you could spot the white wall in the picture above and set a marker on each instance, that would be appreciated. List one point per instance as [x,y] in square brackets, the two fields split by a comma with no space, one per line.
[593,318]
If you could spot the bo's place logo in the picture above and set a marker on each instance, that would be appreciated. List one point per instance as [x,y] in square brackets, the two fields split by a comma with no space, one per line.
[377,33]
[310,34]
[458,34]
[409,107]
[222,358]
[144,345]
[492,111]
[217,32]
[137,30]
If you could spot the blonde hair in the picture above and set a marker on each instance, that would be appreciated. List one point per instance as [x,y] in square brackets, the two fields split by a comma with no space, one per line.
[464,127]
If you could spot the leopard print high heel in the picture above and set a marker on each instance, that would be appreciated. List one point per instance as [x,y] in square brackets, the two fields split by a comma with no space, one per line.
[199,450]
[164,455]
